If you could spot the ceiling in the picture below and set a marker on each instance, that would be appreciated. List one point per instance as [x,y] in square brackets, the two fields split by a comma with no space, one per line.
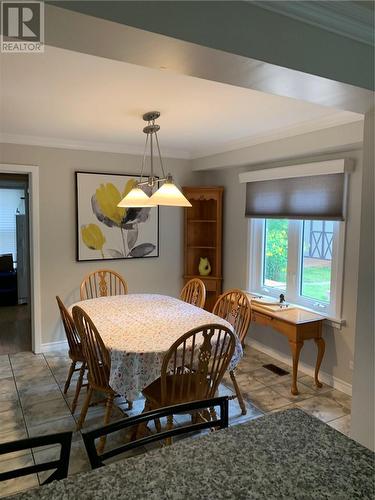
[350,18]
[68,99]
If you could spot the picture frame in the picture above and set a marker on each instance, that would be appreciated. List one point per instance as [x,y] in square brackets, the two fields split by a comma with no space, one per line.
[105,231]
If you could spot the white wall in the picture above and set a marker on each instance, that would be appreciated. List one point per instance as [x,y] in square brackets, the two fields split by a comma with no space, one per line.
[339,343]
[363,410]
[60,273]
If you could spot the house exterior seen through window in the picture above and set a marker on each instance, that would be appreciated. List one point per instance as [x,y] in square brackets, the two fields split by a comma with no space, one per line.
[299,258]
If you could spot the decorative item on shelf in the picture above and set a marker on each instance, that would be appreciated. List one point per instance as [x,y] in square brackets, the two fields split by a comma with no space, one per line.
[271,304]
[142,194]
[204,266]
[283,303]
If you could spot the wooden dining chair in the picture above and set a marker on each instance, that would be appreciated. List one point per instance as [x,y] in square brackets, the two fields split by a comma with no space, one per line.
[99,366]
[192,369]
[234,307]
[103,283]
[194,292]
[75,351]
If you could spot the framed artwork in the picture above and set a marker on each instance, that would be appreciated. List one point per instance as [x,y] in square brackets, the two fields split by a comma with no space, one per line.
[105,231]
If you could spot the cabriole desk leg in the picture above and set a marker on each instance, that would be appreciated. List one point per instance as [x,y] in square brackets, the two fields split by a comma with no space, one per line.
[296,349]
[321,348]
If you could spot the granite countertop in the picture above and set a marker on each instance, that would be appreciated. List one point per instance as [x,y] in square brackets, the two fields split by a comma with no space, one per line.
[283,455]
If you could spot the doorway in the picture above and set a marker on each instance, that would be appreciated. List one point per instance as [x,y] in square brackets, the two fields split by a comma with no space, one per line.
[15,300]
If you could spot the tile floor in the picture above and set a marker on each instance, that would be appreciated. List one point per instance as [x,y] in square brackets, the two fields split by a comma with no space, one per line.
[32,404]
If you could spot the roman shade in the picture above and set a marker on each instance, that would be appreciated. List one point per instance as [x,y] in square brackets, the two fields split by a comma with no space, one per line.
[314,191]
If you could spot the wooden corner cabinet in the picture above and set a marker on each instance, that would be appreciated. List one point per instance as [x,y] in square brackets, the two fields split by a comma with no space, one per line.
[203,238]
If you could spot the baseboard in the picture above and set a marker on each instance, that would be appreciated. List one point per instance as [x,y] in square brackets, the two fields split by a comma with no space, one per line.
[59,345]
[328,379]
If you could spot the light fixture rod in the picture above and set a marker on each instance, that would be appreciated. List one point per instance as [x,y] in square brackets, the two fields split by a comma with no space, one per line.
[144,159]
[160,159]
[152,158]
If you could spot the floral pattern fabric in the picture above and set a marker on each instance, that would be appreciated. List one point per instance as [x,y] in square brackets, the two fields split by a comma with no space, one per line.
[138,329]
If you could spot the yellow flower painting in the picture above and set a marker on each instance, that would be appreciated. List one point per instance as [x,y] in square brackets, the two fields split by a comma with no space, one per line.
[93,237]
[107,230]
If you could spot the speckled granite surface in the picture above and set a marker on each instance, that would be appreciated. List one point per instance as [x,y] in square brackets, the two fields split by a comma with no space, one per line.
[284,455]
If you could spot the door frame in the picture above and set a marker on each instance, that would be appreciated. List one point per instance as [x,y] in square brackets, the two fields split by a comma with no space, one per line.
[35,292]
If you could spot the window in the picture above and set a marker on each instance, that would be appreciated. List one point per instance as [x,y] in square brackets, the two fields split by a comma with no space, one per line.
[275,255]
[11,203]
[316,270]
[300,258]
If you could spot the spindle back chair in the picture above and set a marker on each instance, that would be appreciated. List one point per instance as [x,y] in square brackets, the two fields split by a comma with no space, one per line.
[98,363]
[75,351]
[234,307]
[103,283]
[195,364]
[192,368]
[194,292]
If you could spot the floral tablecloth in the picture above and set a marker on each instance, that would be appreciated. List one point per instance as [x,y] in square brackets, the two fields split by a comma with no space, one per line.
[138,329]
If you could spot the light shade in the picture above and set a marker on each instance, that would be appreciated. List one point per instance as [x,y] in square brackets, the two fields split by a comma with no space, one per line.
[136,198]
[168,194]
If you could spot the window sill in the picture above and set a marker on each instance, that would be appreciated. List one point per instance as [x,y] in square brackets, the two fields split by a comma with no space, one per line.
[336,323]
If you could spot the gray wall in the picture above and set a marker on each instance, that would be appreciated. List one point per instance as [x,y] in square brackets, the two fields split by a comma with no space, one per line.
[339,343]
[60,273]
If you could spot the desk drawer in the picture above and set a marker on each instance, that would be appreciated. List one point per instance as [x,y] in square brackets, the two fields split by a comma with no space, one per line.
[261,319]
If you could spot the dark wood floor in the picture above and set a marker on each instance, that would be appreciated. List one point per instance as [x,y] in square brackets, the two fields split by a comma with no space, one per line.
[15,329]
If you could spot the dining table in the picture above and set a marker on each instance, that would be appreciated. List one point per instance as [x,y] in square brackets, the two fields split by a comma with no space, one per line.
[285,455]
[138,329]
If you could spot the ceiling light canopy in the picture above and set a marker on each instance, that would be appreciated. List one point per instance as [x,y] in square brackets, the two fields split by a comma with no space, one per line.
[167,193]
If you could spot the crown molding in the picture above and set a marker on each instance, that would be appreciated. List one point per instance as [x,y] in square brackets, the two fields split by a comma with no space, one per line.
[104,147]
[329,121]
[306,127]
[350,19]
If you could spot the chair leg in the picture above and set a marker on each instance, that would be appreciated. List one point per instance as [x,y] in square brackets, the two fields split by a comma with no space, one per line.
[107,418]
[71,371]
[168,441]
[157,424]
[238,393]
[85,407]
[140,428]
[78,387]
[213,415]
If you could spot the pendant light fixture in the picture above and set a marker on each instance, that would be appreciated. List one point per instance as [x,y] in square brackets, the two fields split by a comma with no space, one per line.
[167,192]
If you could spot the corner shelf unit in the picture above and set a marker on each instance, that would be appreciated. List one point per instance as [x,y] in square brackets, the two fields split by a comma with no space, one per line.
[203,238]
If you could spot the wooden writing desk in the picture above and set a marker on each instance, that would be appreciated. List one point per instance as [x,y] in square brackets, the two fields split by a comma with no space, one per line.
[298,325]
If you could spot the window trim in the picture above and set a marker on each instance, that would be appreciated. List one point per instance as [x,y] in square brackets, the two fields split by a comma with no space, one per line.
[254,269]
